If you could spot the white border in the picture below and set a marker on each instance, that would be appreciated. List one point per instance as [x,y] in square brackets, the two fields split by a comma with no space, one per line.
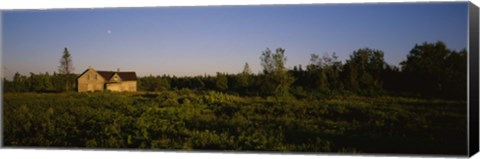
[62,4]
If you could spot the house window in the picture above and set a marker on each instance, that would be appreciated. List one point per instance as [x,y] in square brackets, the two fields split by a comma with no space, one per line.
[88,77]
[95,77]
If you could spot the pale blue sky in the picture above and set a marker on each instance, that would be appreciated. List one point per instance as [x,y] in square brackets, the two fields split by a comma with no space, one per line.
[196,40]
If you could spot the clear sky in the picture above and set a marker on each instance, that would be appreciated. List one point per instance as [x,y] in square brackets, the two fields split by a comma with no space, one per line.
[187,41]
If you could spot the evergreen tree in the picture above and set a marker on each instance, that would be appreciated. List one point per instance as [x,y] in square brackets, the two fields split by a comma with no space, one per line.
[244,76]
[222,82]
[66,69]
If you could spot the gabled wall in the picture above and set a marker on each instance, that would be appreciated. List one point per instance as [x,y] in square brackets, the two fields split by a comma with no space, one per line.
[90,81]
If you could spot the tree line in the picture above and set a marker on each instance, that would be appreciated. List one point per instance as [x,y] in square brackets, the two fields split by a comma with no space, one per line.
[62,81]
[430,70]
[42,82]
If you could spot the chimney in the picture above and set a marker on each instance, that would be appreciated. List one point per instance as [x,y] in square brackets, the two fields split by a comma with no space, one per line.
[118,69]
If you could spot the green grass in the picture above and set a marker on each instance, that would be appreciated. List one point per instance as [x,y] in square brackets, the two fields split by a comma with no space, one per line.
[207,120]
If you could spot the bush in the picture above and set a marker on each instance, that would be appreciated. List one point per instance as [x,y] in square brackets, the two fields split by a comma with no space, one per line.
[210,120]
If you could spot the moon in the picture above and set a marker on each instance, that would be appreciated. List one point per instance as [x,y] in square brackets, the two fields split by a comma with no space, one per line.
[109,31]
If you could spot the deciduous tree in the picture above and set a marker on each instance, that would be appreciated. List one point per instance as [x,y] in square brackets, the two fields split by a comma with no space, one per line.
[277,79]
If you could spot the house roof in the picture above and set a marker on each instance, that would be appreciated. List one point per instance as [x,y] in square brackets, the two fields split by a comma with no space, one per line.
[126,76]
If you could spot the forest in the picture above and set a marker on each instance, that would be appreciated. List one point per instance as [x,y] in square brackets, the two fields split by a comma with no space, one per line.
[362,105]
[431,70]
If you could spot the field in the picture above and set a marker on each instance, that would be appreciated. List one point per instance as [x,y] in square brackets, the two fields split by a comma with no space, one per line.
[208,120]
